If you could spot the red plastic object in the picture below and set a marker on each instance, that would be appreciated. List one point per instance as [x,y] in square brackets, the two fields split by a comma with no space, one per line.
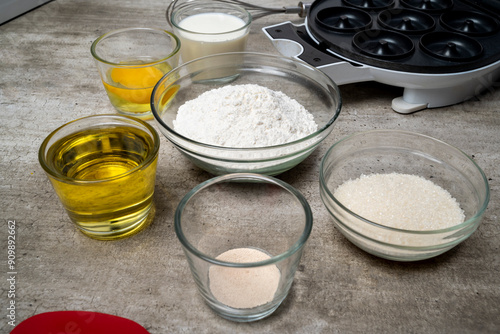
[77,322]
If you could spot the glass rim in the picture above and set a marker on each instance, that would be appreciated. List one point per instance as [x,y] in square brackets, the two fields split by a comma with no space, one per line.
[329,194]
[149,159]
[297,245]
[132,65]
[190,5]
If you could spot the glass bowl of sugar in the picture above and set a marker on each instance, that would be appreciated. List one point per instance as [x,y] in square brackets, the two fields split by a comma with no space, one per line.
[400,195]
[246,112]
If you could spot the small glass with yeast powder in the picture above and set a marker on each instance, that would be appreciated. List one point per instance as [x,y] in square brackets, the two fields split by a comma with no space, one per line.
[243,236]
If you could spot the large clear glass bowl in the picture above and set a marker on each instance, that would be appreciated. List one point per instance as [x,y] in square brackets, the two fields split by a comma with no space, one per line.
[300,81]
[393,151]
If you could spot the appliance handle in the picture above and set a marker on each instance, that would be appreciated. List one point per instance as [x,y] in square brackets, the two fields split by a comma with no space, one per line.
[294,41]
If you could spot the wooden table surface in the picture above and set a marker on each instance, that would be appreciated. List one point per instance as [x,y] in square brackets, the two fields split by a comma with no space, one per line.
[48,77]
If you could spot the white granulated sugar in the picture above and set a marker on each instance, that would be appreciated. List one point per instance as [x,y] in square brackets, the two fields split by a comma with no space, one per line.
[244,116]
[244,287]
[401,201]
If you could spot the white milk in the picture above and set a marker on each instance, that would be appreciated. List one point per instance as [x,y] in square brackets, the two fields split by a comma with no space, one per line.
[211,33]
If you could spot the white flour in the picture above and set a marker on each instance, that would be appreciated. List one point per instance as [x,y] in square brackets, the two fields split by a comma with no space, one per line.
[244,116]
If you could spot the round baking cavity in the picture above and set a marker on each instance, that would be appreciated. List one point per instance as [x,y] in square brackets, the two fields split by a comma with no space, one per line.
[451,46]
[432,6]
[343,19]
[469,23]
[406,21]
[383,44]
[369,4]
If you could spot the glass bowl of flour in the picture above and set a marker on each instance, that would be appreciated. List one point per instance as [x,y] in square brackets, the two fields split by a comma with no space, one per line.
[401,195]
[246,112]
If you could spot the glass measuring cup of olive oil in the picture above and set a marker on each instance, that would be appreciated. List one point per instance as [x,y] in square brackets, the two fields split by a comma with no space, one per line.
[130,62]
[103,170]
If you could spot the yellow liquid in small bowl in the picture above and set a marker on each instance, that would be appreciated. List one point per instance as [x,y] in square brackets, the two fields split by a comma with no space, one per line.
[129,89]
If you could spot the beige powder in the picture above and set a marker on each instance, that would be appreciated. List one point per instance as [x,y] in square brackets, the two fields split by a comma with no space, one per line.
[244,287]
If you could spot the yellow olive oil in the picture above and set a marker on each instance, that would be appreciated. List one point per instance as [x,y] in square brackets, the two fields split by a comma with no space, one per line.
[106,187]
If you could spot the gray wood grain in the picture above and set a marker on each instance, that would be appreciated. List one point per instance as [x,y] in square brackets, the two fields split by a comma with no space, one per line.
[47,78]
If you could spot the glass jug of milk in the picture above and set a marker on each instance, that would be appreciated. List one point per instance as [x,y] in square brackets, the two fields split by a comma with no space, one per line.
[206,28]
